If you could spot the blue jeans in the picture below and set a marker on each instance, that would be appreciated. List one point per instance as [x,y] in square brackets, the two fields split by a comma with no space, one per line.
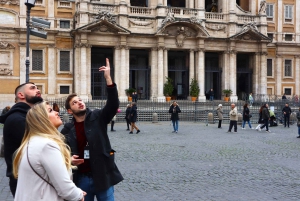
[175,125]
[249,123]
[299,130]
[211,98]
[86,184]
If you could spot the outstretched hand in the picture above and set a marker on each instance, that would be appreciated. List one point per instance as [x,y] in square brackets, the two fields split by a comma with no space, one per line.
[106,70]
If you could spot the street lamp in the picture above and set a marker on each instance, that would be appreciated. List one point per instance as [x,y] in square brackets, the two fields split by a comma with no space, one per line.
[29,4]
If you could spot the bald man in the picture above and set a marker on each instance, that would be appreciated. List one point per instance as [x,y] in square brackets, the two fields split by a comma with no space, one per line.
[233,115]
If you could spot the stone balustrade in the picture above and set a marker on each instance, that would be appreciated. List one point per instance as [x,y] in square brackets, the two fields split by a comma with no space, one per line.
[141,10]
[247,18]
[214,16]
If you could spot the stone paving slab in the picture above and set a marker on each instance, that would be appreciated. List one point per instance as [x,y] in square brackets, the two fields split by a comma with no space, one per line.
[202,163]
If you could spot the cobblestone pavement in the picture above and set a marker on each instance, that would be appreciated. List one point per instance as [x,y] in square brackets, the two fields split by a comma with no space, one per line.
[202,163]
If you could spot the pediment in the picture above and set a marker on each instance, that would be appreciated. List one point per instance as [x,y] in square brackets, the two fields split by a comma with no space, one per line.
[103,25]
[186,28]
[250,34]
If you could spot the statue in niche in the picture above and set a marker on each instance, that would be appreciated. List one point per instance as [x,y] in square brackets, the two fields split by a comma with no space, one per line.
[214,7]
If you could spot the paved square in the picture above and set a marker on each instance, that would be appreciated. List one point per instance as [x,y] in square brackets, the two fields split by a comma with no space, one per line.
[202,163]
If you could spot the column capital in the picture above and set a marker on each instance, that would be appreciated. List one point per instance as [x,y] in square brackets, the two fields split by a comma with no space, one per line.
[78,45]
[126,47]
[264,53]
[200,49]
[192,50]
[160,47]
[232,51]
[154,49]
[51,46]
[297,56]
[278,55]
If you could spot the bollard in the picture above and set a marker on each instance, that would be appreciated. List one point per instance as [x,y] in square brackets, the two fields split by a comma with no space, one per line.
[240,119]
[66,118]
[154,118]
[210,118]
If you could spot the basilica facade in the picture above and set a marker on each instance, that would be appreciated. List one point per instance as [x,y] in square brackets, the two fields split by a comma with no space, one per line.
[222,44]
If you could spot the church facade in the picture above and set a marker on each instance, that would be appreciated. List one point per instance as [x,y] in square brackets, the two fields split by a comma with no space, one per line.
[222,44]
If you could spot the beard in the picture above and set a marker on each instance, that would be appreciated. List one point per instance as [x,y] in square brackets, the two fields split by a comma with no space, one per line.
[79,113]
[33,99]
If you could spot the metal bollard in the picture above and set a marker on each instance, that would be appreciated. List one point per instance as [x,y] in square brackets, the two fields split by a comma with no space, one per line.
[154,118]
[240,119]
[210,118]
[66,118]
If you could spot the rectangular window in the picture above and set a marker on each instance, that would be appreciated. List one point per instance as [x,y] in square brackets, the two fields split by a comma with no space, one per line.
[64,60]
[269,11]
[37,60]
[271,36]
[288,91]
[64,24]
[40,87]
[288,68]
[288,13]
[64,89]
[269,67]
[288,37]
[39,2]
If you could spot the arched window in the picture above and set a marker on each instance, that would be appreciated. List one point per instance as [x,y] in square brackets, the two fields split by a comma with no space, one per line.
[141,3]
[176,3]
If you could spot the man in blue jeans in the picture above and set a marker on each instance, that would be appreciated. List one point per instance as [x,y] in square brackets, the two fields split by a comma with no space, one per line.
[90,146]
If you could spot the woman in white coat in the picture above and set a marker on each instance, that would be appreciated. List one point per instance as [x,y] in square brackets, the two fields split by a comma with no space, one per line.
[42,164]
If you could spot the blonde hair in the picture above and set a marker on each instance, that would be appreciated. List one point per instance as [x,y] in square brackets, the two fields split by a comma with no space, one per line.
[38,124]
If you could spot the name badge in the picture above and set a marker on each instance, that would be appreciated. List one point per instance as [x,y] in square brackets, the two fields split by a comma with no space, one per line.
[86,152]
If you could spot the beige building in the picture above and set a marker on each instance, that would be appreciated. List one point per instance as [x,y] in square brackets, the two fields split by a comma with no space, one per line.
[223,44]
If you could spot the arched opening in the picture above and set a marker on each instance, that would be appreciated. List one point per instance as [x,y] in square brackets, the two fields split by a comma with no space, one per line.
[244,4]
[140,3]
[211,6]
[176,3]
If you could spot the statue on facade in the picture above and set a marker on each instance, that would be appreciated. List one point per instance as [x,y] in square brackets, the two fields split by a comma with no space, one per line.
[196,20]
[249,25]
[169,18]
[263,6]
[106,15]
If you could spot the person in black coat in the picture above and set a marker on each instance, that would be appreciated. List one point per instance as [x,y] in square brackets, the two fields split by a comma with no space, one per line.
[90,145]
[127,116]
[26,95]
[246,116]
[174,110]
[286,113]
[266,117]
[133,117]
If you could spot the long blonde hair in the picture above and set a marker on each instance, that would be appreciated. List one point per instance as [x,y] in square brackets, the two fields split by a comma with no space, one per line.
[38,124]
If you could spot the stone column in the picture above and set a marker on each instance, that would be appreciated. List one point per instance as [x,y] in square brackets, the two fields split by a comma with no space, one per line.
[76,73]
[297,75]
[153,87]
[127,50]
[166,69]
[278,75]
[297,23]
[191,4]
[225,72]
[279,19]
[22,65]
[83,72]
[159,2]
[88,70]
[256,73]
[123,74]
[201,75]
[201,6]
[51,72]
[263,73]
[232,76]
[117,68]
[51,16]
[160,73]
[192,66]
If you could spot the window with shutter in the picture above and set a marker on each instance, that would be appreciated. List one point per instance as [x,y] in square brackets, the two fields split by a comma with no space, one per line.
[269,67]
[64,61]
[288,68]
[288,13]
[37,60]
[269,10]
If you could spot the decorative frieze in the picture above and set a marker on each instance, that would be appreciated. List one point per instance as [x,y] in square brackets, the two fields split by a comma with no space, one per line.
[5,71]
[13,2]
[106,15]
[140,22]
[6,45]
[215,27]
[169,18]
[79,45]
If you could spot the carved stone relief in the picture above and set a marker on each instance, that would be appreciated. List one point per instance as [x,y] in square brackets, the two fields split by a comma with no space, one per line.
[181,33]
[105,15]
[215,27]
[169,18]
[6,54]
[13,2]
[140,22]
[104,28]
[6,71]
[6,45]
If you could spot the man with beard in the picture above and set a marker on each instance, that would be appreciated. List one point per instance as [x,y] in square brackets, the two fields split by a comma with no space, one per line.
[90,146]
[26,95]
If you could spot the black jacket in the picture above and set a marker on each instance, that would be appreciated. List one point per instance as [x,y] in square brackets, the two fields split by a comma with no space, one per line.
[127,113]
[105,173]
[265,113]
[287,110]
[13,132]
[174,112]
[133,113]
[246,113]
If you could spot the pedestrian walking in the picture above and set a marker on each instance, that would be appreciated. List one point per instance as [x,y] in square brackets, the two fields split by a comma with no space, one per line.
[127,116]
[211,95]
[251,99]
[26,95]
[220,115]
[260,119]
[134,97]
[114,119]
[174,110]
[266,118]
[298,122]
[88,139]
[246,116]
[283,97]
[44,158]
[233,116]
[286,114]
[272,118]
[133,118]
